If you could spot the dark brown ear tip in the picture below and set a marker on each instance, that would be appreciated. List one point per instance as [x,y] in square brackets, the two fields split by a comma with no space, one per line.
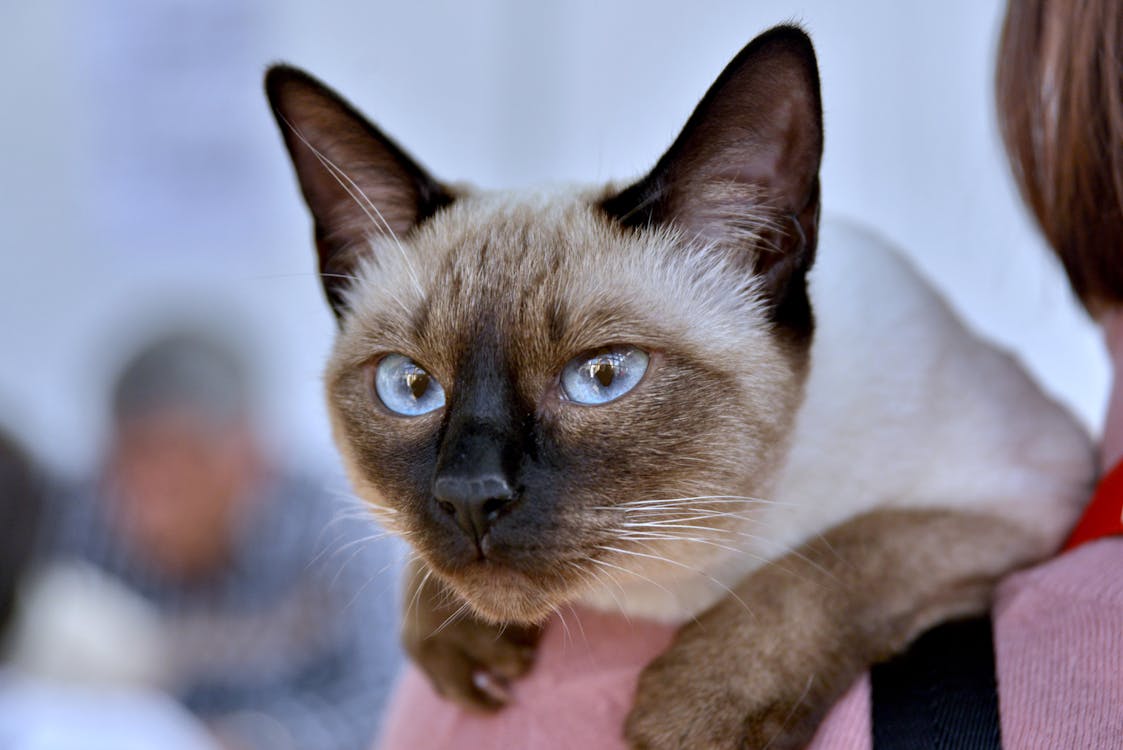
[789,36]
[787,41]
[790,46]
[282,76]
[277,74]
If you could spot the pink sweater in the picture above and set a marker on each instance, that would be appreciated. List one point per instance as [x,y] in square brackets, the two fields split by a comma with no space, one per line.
[575,698]
[1059,651]
[1058,632]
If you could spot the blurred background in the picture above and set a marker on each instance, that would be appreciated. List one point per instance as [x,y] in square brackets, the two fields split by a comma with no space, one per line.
[143,180]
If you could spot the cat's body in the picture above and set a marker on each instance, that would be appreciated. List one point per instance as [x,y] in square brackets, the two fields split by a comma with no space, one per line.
[903,408]
[636,397]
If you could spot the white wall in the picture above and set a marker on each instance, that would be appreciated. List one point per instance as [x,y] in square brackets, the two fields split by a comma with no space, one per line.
[138,162]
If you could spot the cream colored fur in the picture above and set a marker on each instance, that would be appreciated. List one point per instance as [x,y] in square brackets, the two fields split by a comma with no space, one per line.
[904,408]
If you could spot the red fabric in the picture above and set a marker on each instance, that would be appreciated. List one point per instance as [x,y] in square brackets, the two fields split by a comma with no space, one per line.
[1104,514]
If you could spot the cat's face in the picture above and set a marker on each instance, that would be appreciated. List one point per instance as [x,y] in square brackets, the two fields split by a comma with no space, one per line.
[545,393]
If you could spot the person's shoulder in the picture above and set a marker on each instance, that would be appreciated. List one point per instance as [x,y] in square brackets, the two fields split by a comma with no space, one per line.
[1056,640]
[1056,589]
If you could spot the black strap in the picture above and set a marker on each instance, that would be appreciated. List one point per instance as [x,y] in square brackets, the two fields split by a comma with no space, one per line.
[941,694]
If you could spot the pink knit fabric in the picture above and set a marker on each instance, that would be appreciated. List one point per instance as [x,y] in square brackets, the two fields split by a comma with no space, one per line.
[576,697]
[847,726]
[1059,647]
[1059,650]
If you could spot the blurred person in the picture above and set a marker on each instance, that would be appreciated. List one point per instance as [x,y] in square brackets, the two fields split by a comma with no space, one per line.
[20,506]
[273,599]
[38,712]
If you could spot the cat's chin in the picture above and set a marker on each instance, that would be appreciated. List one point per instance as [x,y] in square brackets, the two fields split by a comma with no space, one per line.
[504,595]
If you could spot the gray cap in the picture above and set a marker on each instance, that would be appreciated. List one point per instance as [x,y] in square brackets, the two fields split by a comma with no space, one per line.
[184,370]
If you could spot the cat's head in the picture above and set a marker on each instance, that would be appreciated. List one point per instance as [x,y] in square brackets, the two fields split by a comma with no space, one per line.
[552,392]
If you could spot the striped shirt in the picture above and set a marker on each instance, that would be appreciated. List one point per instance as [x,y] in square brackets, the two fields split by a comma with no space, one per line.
[293,645]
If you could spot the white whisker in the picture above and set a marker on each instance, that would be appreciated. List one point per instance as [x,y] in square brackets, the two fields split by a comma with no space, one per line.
[416,594]
[607,564]
[791,713]
[371,579]
[568,635]
[713,499]
[597,578]
[580,627]
[692,569]
[640,537]
[459,613]
[366,205]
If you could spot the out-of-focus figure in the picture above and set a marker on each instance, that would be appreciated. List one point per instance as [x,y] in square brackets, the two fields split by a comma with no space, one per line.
[275,618]
[20,507]
[38,712]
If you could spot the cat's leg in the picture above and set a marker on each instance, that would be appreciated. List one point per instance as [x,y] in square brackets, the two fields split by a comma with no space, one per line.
[762,669]
[468,660]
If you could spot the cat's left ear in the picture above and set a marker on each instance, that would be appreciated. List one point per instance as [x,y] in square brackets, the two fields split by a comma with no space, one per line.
[744,172]
[356,181]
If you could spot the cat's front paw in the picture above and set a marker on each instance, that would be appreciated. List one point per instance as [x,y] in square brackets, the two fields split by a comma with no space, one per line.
[472,662]
[678,706]
[468,661]
[717,693]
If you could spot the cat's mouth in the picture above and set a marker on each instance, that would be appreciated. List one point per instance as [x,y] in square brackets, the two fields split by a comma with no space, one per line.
[501,593]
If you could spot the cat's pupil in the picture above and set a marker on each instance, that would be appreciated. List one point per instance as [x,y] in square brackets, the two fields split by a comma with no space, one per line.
[418,383]
[604,373]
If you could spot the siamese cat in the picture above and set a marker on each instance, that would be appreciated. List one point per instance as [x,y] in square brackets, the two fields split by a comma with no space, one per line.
[676,398]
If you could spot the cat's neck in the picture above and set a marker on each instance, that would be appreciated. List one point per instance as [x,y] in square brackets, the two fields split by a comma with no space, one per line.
[1111,451]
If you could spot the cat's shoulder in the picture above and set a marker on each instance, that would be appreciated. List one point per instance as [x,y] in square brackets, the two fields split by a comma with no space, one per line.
[861,279]
[906,401]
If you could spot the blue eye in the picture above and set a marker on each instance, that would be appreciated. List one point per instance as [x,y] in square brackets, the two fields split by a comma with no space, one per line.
[603,376]
[405,388]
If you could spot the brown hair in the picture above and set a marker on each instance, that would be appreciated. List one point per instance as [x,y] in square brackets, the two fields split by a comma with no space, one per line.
[1060,108]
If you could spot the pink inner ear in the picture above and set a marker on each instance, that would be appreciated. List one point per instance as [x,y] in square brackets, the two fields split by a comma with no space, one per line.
[761,149]
[356,181]
[351,181]
[369,205]
[749,154]
[731,212]
[744,173]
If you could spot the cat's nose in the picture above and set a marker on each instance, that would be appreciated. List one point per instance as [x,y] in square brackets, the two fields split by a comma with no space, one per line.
[475,501]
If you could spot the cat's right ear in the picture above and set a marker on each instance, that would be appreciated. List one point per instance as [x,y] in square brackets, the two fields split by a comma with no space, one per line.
[357,183]
[744,172]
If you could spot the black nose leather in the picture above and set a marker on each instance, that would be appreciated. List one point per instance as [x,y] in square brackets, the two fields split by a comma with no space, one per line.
[475,501]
